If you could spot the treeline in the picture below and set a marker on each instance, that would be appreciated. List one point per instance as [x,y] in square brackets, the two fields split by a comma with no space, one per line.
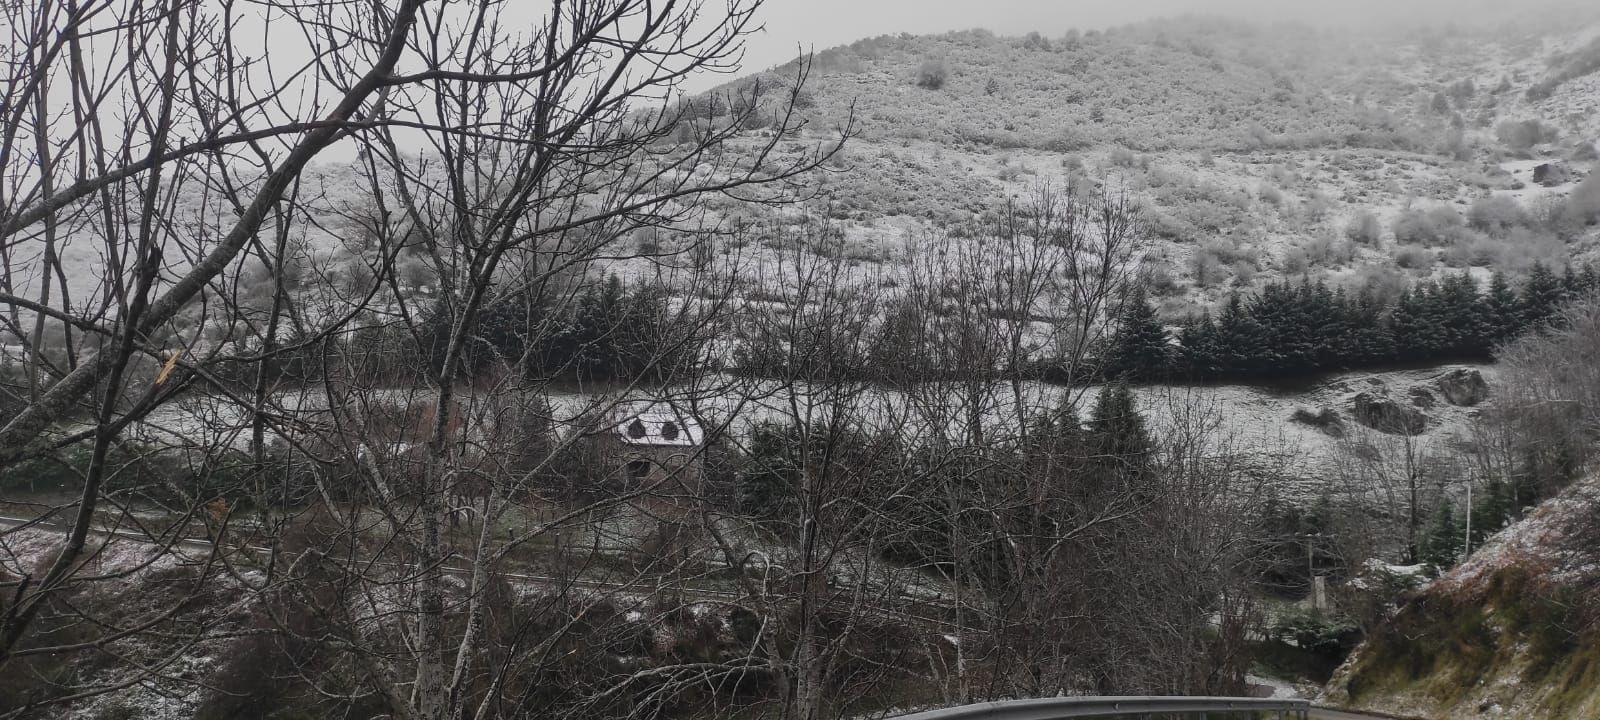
[607,331]
[1296,329]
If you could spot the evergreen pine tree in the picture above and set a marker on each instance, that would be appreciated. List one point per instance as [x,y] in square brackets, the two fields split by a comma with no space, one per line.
[1141,350]
[1409,324]
[1117,427]
[1324,320]
[1491,510]
[770,482]
[1442,546]
[1501,310]
[901,351]
[1371,330]
[1571,282]
[1541,295]
[592,338]
[1197,350]
[1240,350]
[1464,324]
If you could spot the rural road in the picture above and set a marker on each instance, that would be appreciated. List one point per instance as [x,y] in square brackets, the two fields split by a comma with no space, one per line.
[1324,714]
[634,590]
[203,546]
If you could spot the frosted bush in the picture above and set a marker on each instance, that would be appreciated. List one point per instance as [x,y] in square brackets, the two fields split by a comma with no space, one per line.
[1412,257]
[1364,229]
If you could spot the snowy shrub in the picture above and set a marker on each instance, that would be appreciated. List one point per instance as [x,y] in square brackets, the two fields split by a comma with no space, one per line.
[1384,282]
[1157,278]
[1233,252]
[1583,205]
[1364,229]
[1207,270]
[1163,225]
[1295,262]
[1526,247]
[1496,214]
[1475,250]
[1524,134]
[1244,273]
[1203,208]
[1547,212]
[1412,257]
[1329,251]
[1437,226]
[1318,207]
[1162,176]
[932,75]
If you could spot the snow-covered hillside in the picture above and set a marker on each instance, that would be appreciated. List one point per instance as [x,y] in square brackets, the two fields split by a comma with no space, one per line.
[1258,152]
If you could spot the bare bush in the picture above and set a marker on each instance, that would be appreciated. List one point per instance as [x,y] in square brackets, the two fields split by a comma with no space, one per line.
[503,164]
[1496,214]
[1430,228]
[1524,134]
[1552,399]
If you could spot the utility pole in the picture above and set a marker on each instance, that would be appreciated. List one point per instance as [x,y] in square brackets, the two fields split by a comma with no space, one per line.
[1311,565]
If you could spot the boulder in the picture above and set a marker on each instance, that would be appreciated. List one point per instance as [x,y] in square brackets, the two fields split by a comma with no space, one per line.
[1385,414]
[1324,419]
[1422,398]
[1463,387]
[1552,174]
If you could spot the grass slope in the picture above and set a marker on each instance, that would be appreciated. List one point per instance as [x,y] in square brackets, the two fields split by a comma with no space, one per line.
[1510,633]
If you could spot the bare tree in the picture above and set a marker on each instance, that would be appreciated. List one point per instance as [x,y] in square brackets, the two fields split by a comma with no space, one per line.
[499,166]
[1548,416]
[1399,473]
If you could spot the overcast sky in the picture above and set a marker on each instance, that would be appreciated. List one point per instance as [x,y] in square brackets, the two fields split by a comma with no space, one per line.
[821,24]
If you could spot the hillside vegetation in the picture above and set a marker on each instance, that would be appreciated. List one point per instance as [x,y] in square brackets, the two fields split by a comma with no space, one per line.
[1367,158]
[1510,633]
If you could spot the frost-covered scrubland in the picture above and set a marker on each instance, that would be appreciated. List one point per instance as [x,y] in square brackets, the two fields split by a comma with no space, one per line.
[1366,158]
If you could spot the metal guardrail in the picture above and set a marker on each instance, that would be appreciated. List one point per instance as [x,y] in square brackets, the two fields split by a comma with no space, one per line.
[1111,707]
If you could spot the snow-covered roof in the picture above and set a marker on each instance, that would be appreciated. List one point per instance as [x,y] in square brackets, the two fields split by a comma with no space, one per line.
[659,424]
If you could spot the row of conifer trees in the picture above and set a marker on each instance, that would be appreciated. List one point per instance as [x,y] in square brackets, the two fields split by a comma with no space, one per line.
[1292,329]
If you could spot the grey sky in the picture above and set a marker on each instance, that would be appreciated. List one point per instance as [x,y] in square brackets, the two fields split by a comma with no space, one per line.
[821,24]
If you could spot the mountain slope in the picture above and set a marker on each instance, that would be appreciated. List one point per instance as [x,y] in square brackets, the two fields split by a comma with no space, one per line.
[1259,152]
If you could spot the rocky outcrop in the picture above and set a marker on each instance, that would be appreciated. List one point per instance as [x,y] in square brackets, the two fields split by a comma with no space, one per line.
[1463,387]
[1385,414]
[1324,419]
